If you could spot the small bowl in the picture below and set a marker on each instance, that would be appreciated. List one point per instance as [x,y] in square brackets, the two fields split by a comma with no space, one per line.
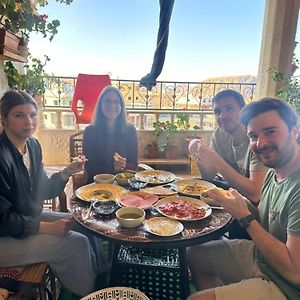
[136,184]
[122,178]
[130,216]
[105,207]
[104,178]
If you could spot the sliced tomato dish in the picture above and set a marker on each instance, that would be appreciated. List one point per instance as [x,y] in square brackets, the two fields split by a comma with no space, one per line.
[182,210]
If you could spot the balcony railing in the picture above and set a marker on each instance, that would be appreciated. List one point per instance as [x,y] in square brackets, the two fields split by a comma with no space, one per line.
[163,102]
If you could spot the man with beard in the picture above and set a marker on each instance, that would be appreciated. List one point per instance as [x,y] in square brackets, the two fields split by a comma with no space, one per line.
[229,154]
[268,267]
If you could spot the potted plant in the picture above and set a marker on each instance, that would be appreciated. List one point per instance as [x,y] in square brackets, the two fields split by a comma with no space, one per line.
[151,150]
[32,81]
[163,131]
[290,88]
[22,17]
[18,18]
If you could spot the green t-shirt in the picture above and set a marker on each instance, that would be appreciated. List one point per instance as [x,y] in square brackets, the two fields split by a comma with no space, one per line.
[240,158]
[279,214]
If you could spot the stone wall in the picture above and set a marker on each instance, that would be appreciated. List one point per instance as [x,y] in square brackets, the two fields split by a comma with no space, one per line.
[55,143]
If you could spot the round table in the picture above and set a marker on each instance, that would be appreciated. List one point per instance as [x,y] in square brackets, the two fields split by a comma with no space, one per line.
[152,264]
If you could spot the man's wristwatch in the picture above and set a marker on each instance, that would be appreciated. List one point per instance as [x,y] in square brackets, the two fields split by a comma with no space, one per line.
[245,222]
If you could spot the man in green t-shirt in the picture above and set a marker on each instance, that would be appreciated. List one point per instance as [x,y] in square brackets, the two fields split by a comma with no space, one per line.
[268,267]
[229,153]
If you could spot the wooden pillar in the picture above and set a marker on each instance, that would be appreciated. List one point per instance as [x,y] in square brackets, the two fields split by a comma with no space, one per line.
[278,42]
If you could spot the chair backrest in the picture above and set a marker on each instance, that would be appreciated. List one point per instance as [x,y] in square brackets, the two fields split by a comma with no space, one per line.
[75,144]
[87,90]
[115,293]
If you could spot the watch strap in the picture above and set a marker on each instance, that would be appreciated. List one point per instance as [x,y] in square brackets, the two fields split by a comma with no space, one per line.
[245,222]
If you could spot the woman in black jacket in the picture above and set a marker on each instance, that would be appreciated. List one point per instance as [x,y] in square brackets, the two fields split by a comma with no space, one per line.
[28,235]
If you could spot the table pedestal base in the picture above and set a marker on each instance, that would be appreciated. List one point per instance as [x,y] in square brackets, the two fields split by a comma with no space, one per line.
[159,273]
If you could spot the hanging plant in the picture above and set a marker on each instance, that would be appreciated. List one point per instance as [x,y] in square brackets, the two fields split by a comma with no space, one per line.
[22,17]
[32,81]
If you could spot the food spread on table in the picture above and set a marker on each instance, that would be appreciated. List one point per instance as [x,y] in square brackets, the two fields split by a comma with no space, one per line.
[92,192]
[163,226]
[117,156]
[159,191]
[155,176]
[183,208]
[173,208]
[205,197]
[138,199]
[192,187]
[125,175]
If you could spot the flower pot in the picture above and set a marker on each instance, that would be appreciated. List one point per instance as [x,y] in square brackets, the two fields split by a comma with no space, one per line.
[9,41]
[9,46]
[171,152]
[151,151]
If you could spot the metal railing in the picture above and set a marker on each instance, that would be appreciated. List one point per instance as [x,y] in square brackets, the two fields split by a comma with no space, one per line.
[165,100]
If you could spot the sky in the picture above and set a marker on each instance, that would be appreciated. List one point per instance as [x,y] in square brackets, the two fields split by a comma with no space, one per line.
[207,38]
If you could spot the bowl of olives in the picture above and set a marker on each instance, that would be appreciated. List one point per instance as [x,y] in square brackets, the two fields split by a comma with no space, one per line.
[123,177]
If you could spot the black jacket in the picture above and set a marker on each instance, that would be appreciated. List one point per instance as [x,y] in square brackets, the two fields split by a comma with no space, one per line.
[21,194]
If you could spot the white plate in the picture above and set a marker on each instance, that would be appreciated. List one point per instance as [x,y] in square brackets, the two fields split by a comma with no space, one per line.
[182,208]
[155,176]
[192,187]
[163,226]
[102,192]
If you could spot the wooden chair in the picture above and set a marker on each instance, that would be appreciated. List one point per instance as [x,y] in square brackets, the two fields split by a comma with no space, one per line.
[75,145]
[58,203]
[34,281]
[75,149]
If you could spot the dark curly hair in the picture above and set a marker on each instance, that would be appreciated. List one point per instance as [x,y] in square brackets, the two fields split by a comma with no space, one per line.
[229,93]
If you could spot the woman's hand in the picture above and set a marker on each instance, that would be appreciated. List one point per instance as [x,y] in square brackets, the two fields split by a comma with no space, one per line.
[74,167]
[59,227]
[233,202]
[119,162]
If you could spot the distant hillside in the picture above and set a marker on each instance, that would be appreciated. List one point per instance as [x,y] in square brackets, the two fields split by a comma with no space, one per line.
[235,79]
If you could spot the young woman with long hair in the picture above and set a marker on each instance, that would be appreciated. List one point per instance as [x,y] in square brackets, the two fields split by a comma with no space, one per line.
[110,144]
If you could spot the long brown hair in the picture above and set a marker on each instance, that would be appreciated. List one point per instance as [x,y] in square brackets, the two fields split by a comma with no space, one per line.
[99,118]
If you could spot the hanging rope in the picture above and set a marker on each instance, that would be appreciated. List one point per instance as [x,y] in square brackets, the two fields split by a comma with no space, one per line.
[166,8]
